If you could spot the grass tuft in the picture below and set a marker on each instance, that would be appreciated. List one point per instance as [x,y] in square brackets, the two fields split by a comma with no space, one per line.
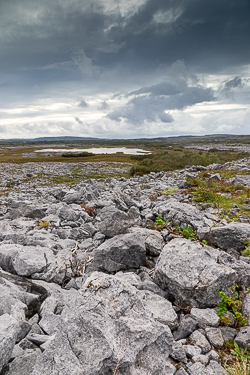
[43,224]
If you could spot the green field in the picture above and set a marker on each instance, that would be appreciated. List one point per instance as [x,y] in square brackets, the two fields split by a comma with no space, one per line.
[166,155]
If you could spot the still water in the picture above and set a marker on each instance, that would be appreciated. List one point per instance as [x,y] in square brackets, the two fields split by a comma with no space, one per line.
[100,150]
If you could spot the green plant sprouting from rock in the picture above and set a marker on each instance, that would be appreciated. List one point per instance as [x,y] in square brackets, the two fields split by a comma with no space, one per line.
[159,221]
[170,191]
[246,252]
[241,365]
[43,224]
[232,304]
[187,232]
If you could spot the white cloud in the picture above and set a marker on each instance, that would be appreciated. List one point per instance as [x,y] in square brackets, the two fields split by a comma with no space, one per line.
[168,16]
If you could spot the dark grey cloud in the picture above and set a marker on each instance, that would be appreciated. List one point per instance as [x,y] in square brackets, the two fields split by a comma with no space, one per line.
[148,55]
[164,88]
[78,121]
[83,104]
[207,34]
[228,88]
[150,103]
[235,82]
[153,107]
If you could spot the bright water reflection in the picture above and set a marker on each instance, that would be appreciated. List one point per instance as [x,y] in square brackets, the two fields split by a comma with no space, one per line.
[100,150]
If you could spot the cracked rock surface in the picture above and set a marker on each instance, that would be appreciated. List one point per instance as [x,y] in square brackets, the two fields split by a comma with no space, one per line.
[88,286]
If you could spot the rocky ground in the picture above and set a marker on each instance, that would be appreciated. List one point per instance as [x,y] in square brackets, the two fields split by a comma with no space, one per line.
[88,286]
[235,147]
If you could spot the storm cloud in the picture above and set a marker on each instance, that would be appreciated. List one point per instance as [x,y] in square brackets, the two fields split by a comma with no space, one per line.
[153,107]
[124,64]
[179,91]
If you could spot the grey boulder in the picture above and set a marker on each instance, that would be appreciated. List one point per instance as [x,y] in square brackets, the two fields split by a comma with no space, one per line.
[26,209]
[66,213]
[228,333]
[200,340]
[110,322]
[8,334]
[205,317]
[198,368]
[186,326]
[24,363]
[243,180]
[243,337]
[246,307]
[181,371]
[121,252]
[113,221]
[217,368]
[192,350]
[37,262]
[182,214]
[230,236]
[215,337]
[194,274]
[152,239]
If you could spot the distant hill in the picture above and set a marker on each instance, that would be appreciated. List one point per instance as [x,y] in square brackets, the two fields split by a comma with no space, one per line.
[50,139]
[209,138]
[66,138]
[195,137]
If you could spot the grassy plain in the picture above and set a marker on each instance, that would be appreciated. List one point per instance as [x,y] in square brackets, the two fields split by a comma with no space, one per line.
[165,155]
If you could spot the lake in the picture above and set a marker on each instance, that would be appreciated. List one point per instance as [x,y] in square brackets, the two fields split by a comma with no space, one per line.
[99,150]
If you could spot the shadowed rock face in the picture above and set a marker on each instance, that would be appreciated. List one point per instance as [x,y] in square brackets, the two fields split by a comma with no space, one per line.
[230,236]
[87,294]
[126,251]
[114,222]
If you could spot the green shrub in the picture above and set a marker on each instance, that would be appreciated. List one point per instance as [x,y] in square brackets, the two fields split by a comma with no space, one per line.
[186,231]
[238,368]
[159,221]
[177,158]
[246,252]
[233,304]
[170,191]
[83,154]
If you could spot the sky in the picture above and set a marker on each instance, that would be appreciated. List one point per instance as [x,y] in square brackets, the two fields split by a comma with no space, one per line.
[124,68]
